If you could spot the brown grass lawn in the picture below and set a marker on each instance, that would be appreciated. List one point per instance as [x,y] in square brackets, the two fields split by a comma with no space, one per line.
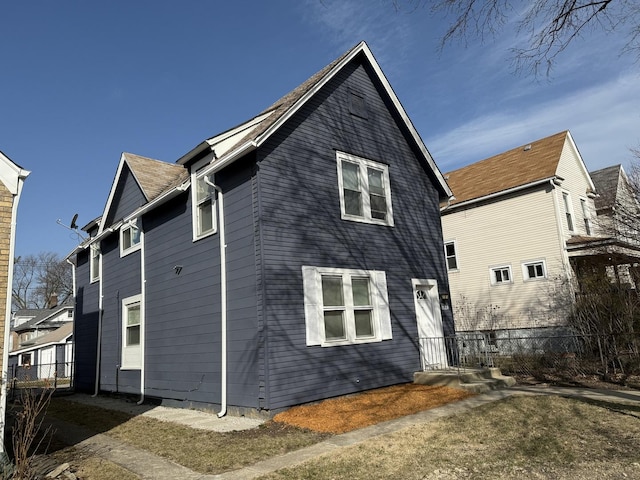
[517,438]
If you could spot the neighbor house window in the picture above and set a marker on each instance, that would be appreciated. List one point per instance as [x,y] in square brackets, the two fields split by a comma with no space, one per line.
[450,255]
[501,275]
[25,359]
[129,238]
[365,193]
[534,270]
[586,216]
[203,211]
[344,306]
[94,262]
[566,200]
[132,318]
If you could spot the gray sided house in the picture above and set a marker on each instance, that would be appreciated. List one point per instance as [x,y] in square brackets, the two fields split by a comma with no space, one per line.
[295,257]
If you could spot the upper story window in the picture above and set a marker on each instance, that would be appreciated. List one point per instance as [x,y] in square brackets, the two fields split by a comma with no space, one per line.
[566,200]
[450,255]
[345,306]
[365,192]
[94,262]
[586,216]
[534,270]
[203,207]
[501,275]
[129,238]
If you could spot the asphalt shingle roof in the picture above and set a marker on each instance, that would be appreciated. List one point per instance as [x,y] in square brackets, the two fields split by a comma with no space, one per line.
[606,183]
[155,176]
[520,166]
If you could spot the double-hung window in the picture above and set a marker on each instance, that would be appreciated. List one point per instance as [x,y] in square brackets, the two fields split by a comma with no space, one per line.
[450,255]
[586,216]
[94,262]
[131,332]
[534,270]
[203,207]
[129,238]
[566,200]
[365,192]
[345,306]
[501,275]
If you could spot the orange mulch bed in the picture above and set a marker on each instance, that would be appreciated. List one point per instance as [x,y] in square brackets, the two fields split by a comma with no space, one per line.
[343,414]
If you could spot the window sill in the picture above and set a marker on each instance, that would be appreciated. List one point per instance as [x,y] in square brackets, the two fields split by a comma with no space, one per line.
[204,235]
[124,253]
[366,220]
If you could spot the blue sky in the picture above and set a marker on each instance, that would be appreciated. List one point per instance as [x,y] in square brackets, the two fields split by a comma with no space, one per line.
[81,82]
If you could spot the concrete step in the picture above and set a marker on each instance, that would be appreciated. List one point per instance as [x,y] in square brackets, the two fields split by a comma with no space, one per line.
[479,380]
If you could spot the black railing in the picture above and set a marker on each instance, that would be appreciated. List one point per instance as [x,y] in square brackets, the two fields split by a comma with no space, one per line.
[570,354]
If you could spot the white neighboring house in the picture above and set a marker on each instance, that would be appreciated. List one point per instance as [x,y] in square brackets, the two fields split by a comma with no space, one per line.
[41,343]
[520,224]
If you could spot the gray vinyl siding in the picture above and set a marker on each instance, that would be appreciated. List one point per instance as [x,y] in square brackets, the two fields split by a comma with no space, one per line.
[182,321]
[120,279]
[301,225]
[85,326]
[127,197]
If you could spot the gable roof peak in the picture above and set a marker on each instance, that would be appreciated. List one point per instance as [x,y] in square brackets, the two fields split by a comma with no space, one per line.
[250,135]
[154,176]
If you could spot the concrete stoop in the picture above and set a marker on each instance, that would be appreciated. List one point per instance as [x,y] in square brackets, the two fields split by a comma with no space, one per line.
[479,380]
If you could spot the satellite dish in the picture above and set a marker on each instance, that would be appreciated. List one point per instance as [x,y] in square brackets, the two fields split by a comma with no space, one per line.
[73,225]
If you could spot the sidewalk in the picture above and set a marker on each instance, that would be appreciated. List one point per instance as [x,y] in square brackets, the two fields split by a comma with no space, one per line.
[152,467]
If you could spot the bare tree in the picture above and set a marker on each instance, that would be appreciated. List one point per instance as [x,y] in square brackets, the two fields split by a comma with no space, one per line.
[547,27]
[37,278]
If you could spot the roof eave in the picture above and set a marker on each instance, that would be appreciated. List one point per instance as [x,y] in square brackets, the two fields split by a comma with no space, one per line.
[448,208]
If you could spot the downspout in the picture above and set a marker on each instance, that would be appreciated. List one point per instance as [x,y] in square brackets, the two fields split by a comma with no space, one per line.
[100,312]
[223,299]
[22,175]
[143,281]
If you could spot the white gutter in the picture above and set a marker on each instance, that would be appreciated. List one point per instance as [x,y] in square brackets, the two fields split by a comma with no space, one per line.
[22,175]
[143,281]
[497,194]
[223,299]
[99,345]
[158,201]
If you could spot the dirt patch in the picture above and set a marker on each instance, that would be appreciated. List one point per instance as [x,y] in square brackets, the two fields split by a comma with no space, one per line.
[343,414]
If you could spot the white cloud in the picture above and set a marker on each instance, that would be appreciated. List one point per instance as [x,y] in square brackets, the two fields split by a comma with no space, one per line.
[603,120]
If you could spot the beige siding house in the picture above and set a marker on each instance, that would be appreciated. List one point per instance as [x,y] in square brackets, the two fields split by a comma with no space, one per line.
[507,232]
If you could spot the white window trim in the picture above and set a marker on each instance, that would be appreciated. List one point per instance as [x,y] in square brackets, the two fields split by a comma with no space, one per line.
[525,271]
[93,275]
[195,177]
[132,354]
[455,255]
[313,306]
[21,363]
[363,163]
[586,216]
[135,247]
[492,276]
[567,209]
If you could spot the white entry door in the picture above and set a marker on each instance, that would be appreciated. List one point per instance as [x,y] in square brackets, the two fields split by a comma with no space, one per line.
[433,352]
[46,362]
